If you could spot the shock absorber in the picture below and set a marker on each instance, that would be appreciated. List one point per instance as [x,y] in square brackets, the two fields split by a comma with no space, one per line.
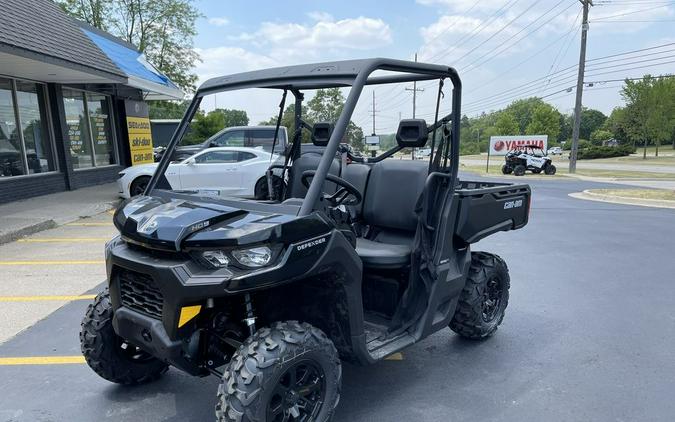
[250,318]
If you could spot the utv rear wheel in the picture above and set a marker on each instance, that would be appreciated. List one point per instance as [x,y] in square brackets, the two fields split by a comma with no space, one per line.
[109,355]
[507,169]
[550,170]
[484,298]
[519,170]
[289,372]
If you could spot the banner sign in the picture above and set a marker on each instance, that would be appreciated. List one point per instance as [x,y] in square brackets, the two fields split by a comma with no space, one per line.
[500,145]
[140,136]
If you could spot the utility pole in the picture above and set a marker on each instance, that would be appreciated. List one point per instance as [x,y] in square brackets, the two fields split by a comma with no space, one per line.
[580,86]
[372,152]
[414,91]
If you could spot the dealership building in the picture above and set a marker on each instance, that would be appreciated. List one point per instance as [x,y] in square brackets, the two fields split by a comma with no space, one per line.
[72,102]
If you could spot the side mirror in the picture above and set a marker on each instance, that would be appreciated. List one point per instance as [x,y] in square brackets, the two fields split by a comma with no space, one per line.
[321,133]
[412,133]
[190,161]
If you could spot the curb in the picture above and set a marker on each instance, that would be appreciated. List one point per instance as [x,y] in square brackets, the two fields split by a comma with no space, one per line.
[593,196]
[27,231]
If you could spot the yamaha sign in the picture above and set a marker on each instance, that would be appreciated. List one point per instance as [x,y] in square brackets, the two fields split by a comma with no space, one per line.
[500,145]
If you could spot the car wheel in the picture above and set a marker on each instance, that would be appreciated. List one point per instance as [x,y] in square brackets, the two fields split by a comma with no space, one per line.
[550,170]
[519,170]
[109,355]
[138,185]
[484,299]
[261,189]
[507,169]
[290,371]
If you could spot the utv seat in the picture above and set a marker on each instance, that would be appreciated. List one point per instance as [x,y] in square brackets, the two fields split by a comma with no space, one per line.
[391,196]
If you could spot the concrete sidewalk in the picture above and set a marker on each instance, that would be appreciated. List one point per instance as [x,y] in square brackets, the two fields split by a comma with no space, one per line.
[22,218]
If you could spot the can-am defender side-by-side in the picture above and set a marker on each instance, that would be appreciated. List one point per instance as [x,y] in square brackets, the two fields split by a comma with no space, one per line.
[357,259]
[527,157]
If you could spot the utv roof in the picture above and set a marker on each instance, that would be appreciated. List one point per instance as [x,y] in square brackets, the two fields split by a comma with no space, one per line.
[327,74]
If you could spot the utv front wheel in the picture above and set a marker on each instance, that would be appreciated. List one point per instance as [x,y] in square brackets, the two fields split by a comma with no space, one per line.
[519,170]
[550,170]
[289,372]
[484,298]
[109,355]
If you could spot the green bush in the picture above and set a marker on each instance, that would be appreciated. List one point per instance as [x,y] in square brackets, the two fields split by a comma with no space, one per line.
[469,149]
[594,151]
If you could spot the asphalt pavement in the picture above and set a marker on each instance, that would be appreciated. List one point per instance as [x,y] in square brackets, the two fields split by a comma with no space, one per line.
[589,335]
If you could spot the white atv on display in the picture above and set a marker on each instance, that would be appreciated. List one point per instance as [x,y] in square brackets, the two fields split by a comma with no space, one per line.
[527,157]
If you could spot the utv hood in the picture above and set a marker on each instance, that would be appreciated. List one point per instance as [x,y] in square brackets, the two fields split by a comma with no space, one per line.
[176,224]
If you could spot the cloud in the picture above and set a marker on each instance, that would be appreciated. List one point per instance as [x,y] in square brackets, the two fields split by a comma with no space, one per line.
[219,21]
[220,61]
[320,16]
[282,39]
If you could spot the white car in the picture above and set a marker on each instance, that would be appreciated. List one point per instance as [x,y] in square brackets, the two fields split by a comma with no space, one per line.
[555,151]
[221,171]
[422,153]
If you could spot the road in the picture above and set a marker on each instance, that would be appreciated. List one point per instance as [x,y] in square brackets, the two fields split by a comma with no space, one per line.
[589,335]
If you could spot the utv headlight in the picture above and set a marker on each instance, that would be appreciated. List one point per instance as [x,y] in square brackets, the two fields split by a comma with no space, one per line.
[218,259]
[253,257]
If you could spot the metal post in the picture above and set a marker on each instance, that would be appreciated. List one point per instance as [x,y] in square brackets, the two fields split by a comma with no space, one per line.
[414,104]
[487,165]
[580,87]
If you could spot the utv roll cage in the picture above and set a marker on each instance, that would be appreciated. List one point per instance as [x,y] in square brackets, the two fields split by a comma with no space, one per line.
[351,73]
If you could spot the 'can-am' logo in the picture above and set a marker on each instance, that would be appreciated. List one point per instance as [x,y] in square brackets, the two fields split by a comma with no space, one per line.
[311,243]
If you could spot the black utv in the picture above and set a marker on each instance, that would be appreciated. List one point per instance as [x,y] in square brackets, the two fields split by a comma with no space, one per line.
[358,258]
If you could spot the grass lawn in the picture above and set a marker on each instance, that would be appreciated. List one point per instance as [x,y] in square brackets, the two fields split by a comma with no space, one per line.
[661,194]
[495,170]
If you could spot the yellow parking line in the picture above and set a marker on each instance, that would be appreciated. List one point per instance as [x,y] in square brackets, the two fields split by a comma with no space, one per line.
[64,239]
[83,262]
[42,360]
[90,224]
[395,356]
[45,298]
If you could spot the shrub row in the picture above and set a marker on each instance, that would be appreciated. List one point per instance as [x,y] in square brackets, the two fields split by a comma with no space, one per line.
[594,151]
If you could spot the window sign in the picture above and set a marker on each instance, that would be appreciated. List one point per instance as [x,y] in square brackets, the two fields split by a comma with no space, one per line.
[140,136]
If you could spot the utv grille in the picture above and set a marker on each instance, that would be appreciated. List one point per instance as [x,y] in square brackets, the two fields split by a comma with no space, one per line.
[140,293]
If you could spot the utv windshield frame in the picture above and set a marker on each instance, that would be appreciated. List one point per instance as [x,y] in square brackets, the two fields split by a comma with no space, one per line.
[352,73]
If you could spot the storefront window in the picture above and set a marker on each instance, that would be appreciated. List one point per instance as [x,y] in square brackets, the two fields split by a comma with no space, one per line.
[11,160]
[99,119]
[30,103]
[89,129]
[78,131]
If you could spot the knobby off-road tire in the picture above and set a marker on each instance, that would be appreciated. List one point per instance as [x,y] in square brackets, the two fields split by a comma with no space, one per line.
[519,170]
[484,298]
[550,170]
[258,378]
[108,354]
[507,169]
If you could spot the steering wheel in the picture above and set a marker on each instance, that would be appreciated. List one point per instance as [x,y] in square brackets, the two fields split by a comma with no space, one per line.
[346,195]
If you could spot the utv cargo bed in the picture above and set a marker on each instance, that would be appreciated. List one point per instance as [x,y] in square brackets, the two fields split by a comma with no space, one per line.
[489,207]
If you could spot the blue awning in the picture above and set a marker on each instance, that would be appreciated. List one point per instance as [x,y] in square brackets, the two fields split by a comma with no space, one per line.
[140,73]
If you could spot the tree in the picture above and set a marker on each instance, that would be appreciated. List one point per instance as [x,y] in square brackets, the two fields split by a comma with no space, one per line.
[163,30]
[507,124]
[167,109]
[600,135]
[545,121]
[616,124]
[204,126]
[522,111]
[591,120]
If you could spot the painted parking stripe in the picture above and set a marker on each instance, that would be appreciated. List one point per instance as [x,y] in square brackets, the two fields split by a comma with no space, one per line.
[90,224]
[395,356]
[64,239]
[80,262]
[42,360]
[45,298]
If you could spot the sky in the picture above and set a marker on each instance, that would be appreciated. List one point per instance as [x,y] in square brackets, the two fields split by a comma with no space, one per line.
[502,49]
